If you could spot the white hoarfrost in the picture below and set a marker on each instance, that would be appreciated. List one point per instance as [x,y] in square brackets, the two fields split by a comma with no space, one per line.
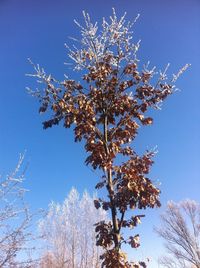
[69,233]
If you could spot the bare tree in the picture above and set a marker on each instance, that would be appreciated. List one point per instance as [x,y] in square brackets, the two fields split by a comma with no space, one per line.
[181,232]
[68,230]
[15,221]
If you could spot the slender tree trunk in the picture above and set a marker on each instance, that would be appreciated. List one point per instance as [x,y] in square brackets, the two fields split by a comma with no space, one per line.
[111,189]
[113,210]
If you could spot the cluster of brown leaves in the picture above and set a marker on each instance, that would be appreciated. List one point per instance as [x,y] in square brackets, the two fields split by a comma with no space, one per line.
[113,258]
[107,117]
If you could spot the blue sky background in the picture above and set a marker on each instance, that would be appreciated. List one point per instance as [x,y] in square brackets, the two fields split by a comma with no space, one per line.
[170,32]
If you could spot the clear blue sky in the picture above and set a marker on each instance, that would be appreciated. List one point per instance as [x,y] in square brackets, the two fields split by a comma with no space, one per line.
[170,32]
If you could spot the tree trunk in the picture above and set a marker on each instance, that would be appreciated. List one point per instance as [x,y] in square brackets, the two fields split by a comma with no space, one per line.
[111,190]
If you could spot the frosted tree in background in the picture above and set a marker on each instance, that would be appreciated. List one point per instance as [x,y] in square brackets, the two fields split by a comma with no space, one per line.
[15,220]
[180,230]
[106,109]
[68,230]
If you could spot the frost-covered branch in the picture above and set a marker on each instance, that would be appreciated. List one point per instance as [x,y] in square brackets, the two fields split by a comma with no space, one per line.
[181,232]
[15,221]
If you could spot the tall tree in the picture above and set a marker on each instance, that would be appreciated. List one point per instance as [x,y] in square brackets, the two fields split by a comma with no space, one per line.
[106,109]
[68,230]
[180,230]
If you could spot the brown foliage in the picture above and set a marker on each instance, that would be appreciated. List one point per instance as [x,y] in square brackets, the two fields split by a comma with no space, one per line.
[105,110]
